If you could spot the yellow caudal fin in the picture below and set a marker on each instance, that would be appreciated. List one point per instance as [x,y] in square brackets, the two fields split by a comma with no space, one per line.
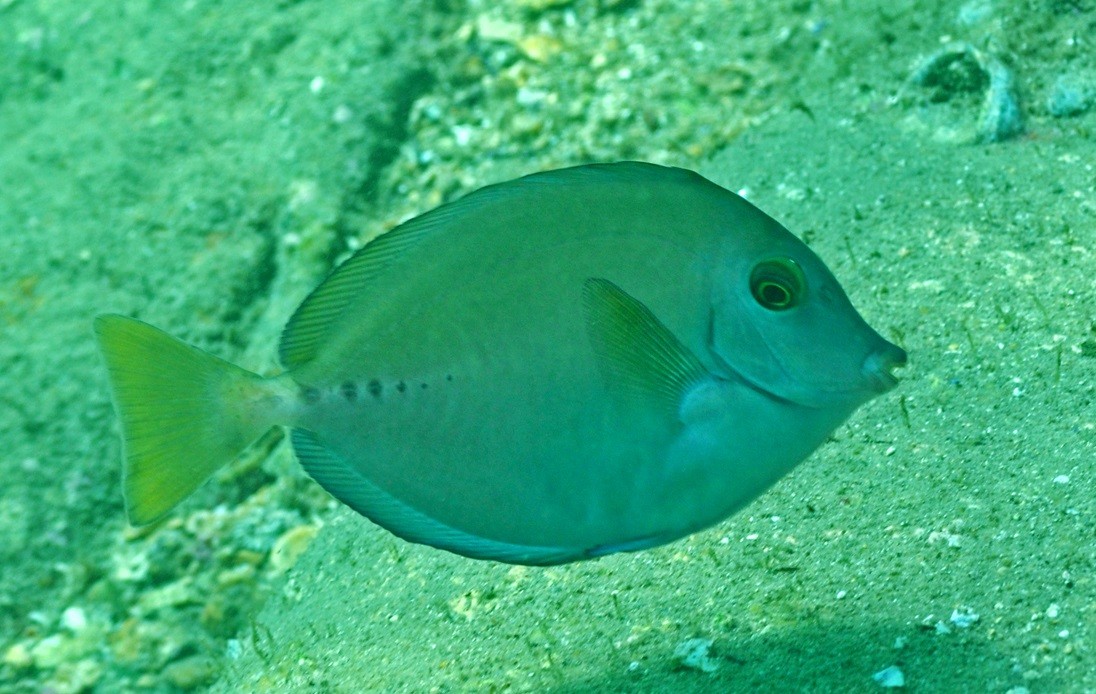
[184,413]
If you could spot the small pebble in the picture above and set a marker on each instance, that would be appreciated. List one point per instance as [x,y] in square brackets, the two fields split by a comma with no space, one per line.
[233,649]
[241,573]
[975,12]
[190,673]
[74,619]
[290,546]
[18,657]
[73,678]
[1070,96]
[49,652]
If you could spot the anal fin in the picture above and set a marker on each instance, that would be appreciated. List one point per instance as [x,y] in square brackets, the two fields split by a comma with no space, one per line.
[402,520]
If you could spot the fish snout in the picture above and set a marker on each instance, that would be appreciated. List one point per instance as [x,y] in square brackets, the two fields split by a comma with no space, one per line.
[879,365]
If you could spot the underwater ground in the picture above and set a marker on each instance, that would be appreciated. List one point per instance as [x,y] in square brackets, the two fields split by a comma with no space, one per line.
[201,165]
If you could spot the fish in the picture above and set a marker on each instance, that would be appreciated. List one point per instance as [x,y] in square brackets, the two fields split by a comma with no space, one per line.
[596,359]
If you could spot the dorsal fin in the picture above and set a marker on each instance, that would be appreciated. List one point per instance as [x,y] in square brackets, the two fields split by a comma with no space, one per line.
[309,324]
[308,327]
[306,330]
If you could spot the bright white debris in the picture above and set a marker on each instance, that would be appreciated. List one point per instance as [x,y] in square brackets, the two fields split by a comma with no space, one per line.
[695,655]
[890,677]
[964,617]
[74,619]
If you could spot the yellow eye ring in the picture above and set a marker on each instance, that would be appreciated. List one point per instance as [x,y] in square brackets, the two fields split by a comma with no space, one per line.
[778,284]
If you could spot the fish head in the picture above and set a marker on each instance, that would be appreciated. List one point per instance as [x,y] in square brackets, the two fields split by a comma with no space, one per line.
[781,322]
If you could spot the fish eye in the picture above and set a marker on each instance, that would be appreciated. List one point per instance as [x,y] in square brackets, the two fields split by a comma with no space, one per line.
[778,284]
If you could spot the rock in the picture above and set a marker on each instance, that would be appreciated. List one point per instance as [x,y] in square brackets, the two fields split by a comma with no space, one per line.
[73,678]
[241,573]
[539,47]
[290,546]
[170,595]
[80,639]
[18,657]
[126,642]
[49,652]
[1071,95]
[955,82]
[191,672]
[74,619]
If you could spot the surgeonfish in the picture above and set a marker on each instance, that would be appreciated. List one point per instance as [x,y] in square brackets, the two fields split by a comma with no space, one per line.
[578,362]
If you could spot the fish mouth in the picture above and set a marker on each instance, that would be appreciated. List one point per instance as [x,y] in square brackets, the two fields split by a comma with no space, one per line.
[875,370]
[878,367]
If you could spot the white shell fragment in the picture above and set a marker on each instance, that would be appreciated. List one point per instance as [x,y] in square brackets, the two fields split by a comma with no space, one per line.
[964,617]
[890,678]
[695,654]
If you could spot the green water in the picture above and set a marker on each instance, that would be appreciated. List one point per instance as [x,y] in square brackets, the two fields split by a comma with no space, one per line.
[201,165]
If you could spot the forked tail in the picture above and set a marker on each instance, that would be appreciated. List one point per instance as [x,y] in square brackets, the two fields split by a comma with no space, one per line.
[184,413]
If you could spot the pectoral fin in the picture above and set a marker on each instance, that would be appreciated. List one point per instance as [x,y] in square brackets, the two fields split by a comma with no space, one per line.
[639,357]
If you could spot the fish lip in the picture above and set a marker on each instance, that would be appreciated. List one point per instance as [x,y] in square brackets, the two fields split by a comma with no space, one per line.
[878,367]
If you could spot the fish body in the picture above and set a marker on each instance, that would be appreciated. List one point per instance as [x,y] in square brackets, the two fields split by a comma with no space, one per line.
[578,362]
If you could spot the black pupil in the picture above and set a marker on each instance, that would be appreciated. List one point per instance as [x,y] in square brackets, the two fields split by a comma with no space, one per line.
[774,294]
[777,284]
